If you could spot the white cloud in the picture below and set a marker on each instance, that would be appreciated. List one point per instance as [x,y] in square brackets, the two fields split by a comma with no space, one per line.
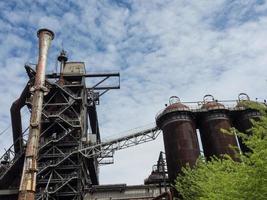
[49,22]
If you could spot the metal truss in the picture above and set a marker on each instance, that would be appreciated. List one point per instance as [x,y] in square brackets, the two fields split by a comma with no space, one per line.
[62,112]
[97,89]
[9,159]
[60,175]
[107,149]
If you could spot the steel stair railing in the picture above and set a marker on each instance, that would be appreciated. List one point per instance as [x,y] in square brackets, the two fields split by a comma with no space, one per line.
[65,90]
[50,164]
[52,140]
[9,159]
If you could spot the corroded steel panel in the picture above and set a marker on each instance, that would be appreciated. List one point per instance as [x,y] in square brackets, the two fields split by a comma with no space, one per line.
[243,124]
[180,138]
[181,146]
[73,68]
[215,142]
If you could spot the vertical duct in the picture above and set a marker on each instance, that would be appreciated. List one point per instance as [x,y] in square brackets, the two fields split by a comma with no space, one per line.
[29,173]
[16,119]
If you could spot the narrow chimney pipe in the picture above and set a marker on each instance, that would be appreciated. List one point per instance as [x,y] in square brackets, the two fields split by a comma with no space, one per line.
[62,58]
[29,173]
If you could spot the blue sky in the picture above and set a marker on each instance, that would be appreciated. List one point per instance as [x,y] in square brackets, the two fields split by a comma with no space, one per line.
[161,48]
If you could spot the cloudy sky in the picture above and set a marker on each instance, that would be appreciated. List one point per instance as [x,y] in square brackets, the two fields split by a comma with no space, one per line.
[160,47]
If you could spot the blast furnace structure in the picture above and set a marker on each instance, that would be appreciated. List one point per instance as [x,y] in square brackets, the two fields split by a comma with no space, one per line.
[61,156]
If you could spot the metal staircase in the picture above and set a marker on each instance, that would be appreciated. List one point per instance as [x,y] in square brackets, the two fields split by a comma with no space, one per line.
[10,164]
[64,124]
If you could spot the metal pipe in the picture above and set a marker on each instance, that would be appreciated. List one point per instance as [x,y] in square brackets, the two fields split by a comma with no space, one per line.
[16,118]
[62,58]
[29,173]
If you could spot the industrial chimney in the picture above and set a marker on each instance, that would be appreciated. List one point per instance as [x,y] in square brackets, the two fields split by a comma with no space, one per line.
[29,173]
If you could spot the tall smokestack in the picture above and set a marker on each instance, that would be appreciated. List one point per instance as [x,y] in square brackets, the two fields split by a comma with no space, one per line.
[29,173]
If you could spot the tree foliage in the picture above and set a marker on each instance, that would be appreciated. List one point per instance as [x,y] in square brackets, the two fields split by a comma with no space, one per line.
[225,179]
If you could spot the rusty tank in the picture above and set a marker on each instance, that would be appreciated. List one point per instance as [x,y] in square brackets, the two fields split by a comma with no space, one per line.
[179,135]
[242,119]
[213,119]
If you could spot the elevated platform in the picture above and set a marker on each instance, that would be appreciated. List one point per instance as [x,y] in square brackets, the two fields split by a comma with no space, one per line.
[122,191]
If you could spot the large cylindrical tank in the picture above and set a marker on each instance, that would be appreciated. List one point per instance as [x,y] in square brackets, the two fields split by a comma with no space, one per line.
[213,119]
[242,120]
[179,135]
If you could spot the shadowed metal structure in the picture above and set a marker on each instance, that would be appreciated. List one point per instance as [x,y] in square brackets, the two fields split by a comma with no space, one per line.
[242,119]
[16,118]
[159,174]
[216,118]
[180,137]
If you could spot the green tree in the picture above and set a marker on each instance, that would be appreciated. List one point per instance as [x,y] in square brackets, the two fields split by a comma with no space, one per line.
[225,179]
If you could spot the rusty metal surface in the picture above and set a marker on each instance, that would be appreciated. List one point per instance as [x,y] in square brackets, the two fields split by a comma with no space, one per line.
[242,121]
[181,146]
[209,103]
[211,123]
[28,180]
[176,106]
[180,139]
[172,108]
[16,118]
[213,105]
[215,142]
